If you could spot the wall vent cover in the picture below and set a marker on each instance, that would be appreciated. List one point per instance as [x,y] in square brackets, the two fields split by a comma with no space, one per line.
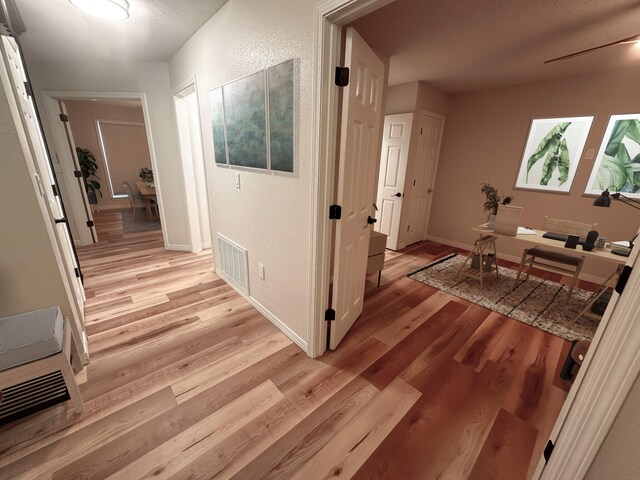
[233,263]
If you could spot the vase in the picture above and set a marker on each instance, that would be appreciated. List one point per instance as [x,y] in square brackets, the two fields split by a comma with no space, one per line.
[492,221]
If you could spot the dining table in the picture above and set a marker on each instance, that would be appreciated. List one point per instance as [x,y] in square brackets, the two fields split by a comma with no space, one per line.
[148,194]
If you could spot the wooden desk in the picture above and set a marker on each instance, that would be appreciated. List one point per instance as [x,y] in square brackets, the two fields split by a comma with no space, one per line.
[537,240]
[148,194]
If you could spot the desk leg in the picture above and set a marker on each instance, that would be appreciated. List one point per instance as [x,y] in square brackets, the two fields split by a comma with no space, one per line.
[379,274]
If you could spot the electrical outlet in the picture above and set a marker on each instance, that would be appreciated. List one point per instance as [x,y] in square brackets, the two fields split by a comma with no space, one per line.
[261,271]
[237,180]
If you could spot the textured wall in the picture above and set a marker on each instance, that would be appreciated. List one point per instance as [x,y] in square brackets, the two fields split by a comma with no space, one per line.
[270,214]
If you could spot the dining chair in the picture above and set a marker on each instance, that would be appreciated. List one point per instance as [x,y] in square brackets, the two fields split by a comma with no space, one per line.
[135,198]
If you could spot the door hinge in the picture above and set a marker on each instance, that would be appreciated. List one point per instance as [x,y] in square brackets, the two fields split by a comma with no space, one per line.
[90,223]
[335,212]
[77,173]
[342,76]
[55,190]
[77,270]
[622,280]
[329,314]
[63,117]
[28,89]
[548,450]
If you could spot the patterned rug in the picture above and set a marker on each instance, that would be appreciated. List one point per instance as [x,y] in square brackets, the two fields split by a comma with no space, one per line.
[141,224]
[537,302]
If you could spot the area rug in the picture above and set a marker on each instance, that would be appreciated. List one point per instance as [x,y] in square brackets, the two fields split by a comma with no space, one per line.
[537,302]
[140,224]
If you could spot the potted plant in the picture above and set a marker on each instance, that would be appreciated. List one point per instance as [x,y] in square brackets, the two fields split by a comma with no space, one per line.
[492,201]
[88,168]
[146,175]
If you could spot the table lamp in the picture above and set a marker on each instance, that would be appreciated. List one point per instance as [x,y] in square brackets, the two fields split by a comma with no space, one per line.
[604,200]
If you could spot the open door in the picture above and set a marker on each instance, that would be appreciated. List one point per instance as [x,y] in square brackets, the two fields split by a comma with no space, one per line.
[396,140]
[70,171]
[47,187]
[359,143]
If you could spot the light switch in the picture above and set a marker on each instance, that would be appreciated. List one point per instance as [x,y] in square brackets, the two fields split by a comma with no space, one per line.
[237,180]
[261,271]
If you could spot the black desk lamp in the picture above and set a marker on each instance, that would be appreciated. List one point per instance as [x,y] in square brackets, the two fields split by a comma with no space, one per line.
[604,200]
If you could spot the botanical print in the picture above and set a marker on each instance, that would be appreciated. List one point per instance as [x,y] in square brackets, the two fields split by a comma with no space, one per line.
[552,153]
[217,125]
[245,120]
[281,116]
[617,166]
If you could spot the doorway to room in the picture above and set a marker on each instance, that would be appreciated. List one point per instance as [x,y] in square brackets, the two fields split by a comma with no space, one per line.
[105,164]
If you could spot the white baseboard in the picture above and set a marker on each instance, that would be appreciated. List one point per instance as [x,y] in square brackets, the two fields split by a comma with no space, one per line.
[178,247]
[206,246]
[512,258]
[295,338]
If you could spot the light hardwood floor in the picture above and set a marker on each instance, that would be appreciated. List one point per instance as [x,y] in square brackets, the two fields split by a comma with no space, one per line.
[187,380]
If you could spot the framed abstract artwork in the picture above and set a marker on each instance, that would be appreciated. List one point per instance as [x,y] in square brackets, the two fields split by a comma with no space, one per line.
[552,153]
[617,165]
[252,120]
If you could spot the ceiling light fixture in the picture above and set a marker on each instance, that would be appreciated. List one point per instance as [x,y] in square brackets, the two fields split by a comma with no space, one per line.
[107,9]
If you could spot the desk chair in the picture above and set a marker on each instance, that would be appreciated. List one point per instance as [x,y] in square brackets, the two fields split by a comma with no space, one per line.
[135,199]
[565,264]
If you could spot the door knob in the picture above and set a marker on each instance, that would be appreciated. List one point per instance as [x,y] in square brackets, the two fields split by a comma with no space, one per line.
[371,221]
[397,195]
[429,191]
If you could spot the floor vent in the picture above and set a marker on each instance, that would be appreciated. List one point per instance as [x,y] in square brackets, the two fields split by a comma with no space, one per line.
[233,263]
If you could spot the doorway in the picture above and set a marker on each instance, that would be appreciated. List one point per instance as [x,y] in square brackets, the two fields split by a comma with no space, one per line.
[580,413]
[191,149]
[106,162]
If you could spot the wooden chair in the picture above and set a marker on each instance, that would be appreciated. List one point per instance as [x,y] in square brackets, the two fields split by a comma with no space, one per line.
[563,263]
[135,199]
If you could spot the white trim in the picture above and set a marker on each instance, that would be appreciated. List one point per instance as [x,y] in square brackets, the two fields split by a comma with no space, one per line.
[512,258]
[295,338]
[76,95]
[178,247]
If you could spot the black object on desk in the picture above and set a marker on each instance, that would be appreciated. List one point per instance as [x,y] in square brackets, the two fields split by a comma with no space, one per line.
[561,237]
[572,241]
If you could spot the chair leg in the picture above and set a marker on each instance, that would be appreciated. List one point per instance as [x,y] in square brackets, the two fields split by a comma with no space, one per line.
[573,283]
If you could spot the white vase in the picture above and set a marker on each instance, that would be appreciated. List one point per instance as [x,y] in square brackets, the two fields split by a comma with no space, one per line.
[492,221]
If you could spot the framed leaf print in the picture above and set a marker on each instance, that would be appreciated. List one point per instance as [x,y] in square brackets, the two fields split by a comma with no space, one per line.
[617,165]
[552,153]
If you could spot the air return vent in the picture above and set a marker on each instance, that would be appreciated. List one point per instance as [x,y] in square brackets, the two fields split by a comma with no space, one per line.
[233,263]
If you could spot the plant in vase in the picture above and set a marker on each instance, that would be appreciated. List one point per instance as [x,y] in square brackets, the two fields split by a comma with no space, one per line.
[146,175]
[88,169]
[492,201]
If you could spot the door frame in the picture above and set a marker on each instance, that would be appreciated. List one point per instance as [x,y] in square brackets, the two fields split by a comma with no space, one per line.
[77,95]
[611,365]
[189,175]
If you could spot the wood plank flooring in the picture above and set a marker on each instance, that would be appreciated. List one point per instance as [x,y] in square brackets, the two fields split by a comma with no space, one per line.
[188,381]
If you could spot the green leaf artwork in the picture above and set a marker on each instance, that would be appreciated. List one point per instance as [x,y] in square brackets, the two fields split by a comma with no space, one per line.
[554,146]
[617,167]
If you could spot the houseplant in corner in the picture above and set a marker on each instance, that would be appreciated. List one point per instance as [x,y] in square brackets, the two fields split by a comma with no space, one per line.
[88,168]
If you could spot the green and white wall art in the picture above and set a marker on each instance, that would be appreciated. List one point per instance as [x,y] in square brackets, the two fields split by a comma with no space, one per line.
[617,165]
[552,153]
[252,120]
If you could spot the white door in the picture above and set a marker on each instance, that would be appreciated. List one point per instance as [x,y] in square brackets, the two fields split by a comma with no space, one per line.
[423,172]
[78,203]
[359,147]
[188,115]
[47,185]
[396,138]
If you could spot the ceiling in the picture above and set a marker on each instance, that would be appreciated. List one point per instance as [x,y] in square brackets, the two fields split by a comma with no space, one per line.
[463,45]
[154,31]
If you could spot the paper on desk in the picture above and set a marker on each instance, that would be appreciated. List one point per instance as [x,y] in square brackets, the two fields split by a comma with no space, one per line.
[525,231]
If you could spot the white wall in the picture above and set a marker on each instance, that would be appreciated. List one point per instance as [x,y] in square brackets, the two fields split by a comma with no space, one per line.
[270,214]
[152,79]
